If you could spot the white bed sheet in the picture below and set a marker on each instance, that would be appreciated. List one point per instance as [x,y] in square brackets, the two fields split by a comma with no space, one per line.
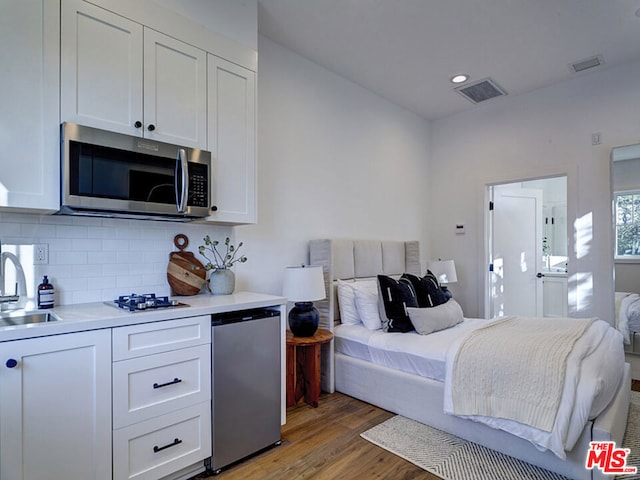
[423,355]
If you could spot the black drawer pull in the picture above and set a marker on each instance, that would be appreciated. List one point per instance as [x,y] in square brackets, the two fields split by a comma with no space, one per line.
[157,449]
[160,385]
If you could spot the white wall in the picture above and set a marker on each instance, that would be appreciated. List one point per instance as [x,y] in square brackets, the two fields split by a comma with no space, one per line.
[334,160]
[235,19]
[542,133]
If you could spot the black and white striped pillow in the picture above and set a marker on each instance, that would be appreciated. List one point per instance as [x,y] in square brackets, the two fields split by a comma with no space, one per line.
[395,296]
[427,289]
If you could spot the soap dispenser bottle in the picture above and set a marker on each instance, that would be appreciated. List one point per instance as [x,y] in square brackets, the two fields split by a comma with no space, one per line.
[46,294]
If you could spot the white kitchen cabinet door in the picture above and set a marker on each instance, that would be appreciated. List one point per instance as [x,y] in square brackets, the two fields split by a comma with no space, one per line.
[29,95]
[232,141]
[101,69]
[175,91]
[55,407]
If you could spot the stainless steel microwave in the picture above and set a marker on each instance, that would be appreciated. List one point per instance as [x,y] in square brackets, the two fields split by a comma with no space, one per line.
[115,175]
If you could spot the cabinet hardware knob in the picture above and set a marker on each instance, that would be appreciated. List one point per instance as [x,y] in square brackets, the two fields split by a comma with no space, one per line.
[151,127]
[214,208]
[138,124]
[539,275]
[11,363]
[157,449]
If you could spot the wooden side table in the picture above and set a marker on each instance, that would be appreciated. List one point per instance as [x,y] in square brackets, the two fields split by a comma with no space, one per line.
[303,366]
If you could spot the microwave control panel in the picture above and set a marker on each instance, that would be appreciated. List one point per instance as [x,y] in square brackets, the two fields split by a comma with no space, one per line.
[198,186]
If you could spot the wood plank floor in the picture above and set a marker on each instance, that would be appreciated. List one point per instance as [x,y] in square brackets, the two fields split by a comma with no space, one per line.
[324,444]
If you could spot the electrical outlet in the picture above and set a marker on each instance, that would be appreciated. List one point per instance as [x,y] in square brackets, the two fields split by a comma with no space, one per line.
[41,254]
[596,138]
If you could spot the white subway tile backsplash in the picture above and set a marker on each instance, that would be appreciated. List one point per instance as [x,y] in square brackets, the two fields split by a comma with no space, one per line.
[71,231]
[129,281]
[70,257]
[115,245]
[98,259]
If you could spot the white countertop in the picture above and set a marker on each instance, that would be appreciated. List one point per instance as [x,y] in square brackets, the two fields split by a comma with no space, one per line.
[93,316]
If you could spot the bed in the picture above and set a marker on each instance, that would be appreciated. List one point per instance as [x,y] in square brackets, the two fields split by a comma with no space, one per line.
[372,366]
[627,314]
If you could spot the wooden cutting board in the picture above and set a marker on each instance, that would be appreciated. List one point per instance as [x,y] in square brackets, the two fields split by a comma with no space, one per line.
[185,274]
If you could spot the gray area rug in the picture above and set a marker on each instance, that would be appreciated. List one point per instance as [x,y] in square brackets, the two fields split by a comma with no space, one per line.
[453,458]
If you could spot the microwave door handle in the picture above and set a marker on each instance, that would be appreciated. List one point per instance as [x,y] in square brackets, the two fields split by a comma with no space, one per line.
[182,165]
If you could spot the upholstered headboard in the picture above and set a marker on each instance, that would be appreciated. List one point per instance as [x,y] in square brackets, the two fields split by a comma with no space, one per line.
[355,259]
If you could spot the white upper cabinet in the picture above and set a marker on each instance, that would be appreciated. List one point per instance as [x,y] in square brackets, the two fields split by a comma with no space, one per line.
[123,77]
[232,141]
[101,69]
[175,91]
[29,95]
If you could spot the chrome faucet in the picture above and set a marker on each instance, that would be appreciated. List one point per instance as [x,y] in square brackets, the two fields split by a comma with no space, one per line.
[21,284]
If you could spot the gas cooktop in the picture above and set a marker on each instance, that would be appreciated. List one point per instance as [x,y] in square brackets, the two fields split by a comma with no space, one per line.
[139,303]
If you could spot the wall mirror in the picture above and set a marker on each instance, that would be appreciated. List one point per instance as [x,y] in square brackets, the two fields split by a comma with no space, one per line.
[625,183]
[625,174]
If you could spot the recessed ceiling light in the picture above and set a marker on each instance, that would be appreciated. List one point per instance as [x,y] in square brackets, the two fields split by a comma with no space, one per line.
[460,78]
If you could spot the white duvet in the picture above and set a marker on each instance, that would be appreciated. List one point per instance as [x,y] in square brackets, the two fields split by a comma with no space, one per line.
[594,370]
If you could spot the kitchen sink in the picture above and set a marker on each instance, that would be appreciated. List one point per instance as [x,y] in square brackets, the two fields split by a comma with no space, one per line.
[13,318]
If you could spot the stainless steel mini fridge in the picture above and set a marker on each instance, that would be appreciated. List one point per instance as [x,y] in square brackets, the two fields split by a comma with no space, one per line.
[246,384]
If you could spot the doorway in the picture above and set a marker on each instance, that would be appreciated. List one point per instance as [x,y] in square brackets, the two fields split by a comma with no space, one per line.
[527,248]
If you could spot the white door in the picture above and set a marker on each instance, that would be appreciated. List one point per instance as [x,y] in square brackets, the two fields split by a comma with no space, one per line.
[232,141]
[516,252]
[175,91]
[55,407]
[101,69]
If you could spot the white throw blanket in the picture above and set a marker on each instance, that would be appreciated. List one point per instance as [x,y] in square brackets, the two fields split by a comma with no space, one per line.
[515,368]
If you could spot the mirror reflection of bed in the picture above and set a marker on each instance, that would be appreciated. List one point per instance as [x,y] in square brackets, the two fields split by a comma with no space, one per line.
[625,174]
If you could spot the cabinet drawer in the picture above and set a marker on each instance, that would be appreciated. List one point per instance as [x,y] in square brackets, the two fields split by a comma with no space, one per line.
[157,337]
[152,449]
[146,387]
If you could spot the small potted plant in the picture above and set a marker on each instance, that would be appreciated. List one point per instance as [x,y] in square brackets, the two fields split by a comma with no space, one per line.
[221,279]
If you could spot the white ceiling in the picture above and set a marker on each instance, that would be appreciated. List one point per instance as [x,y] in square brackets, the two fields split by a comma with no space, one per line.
[406,50]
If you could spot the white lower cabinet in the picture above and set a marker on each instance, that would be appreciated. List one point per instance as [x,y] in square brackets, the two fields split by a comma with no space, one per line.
[555,296]
[161,397]
[55,407]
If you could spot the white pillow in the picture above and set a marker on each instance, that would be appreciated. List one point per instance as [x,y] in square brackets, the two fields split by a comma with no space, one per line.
[432,319]
[367,306]
[347,303]
[347,300]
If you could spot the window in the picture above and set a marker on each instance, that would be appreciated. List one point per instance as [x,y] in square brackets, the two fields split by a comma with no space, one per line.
[627,216]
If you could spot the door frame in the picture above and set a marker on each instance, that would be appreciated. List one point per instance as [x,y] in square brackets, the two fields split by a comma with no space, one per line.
[571,173]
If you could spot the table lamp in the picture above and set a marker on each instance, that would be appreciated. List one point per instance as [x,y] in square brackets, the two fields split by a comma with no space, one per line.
[303,285]
[445,272]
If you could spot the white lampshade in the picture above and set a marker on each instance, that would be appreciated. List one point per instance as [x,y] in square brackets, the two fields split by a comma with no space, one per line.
[444,270]
[303,284]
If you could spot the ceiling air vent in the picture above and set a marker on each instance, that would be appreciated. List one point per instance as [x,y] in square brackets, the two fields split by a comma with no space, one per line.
[587,63]
[481,90]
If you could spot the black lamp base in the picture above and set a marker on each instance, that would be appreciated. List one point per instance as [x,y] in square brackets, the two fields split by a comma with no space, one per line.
[303,319]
